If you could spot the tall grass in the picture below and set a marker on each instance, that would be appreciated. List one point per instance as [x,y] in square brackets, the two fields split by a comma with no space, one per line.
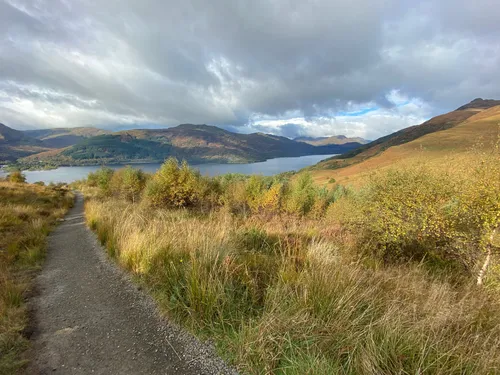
[27,213]
[287,277]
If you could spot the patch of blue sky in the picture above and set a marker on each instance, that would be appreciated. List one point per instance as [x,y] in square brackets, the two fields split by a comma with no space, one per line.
[357,113]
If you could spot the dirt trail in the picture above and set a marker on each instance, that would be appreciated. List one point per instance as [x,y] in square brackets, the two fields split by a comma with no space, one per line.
[89,318]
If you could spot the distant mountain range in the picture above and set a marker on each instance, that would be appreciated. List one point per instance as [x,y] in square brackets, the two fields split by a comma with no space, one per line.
[64,137]
[194,143]
[333,140]
[475,124]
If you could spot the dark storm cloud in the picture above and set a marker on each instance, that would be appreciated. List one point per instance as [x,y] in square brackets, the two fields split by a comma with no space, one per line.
[286,66]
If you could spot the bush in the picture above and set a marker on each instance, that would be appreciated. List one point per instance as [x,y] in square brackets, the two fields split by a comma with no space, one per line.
[403,214]
[102,180]
[128,183]
[175,185]
[301,195]
[17,177]
[420,213]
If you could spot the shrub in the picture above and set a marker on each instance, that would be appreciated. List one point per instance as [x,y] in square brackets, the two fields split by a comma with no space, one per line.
[102,180]
[402,214]
[17,177]
[420,213]
[128,183]
[255,188]
[174,185]
[301,195]
[272,198]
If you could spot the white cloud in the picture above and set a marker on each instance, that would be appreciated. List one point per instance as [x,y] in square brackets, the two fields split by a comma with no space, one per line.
[366,121]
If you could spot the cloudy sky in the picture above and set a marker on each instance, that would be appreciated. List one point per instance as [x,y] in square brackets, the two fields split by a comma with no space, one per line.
[291,67]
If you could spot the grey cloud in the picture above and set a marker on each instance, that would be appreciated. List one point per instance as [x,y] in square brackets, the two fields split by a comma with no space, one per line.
[222,62]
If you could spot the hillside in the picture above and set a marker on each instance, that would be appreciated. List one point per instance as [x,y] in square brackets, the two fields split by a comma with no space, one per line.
[15,144]
[64,137]
[473,125]
[194,143]
[333,140]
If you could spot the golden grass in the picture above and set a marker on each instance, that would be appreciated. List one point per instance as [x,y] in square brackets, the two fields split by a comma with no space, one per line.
[27,213]
[282,294]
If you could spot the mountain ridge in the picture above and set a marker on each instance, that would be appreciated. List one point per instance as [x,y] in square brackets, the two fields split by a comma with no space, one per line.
[64,137]
[194,143]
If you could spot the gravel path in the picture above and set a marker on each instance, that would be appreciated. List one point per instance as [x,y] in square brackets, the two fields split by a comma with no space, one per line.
[89,318]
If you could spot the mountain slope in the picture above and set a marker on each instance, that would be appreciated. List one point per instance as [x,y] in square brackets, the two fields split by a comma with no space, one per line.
[194,143]
[64,137]
[333,140]
[15,144]
[438,123]
[442,137]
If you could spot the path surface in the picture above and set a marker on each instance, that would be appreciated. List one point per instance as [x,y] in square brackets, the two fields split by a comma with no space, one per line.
[90,319]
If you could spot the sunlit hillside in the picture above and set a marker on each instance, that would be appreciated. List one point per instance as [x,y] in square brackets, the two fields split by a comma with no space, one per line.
[466,130]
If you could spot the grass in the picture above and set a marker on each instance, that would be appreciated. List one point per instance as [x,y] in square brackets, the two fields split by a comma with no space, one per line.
[290,278]
[27,214]
[294,293]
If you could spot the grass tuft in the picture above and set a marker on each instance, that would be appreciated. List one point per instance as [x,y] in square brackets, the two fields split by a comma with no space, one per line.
[27,213]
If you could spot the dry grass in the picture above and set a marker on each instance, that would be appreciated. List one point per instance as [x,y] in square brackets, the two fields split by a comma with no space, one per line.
[287,277]
[283,294]
[27,213]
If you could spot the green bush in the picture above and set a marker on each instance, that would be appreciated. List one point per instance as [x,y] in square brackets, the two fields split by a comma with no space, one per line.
[420,213]
[102,180]
[402,214]
[301,195]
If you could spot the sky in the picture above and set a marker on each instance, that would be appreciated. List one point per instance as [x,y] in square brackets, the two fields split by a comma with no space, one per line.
[289,67]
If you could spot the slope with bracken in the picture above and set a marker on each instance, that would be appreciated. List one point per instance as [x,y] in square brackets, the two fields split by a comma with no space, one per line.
[476,124]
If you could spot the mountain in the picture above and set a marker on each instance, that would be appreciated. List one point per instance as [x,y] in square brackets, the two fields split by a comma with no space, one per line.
[333,140]
[15,144]
[194,143]
[64,137]
[476,123]
[478,104]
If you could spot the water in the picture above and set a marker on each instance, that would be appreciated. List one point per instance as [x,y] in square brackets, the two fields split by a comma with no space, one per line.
[267,168]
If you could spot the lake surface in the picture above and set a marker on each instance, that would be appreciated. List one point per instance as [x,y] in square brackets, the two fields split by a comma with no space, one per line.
[266,168]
